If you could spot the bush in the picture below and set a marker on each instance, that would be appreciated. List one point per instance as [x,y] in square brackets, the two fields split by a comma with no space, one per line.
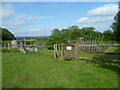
[28,42]
[5,50]
[54,40]
[51,47]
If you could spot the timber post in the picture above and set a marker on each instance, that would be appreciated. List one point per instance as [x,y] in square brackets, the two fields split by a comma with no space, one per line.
[55,50]
[59,51]
[76,51]
[62,51]
[4,45]
[8,46]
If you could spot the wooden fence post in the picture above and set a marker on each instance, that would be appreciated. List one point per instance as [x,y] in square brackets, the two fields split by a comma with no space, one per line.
[8,46]
[76,51]
[62,51]
[4,45]
[55,50]
[59,49]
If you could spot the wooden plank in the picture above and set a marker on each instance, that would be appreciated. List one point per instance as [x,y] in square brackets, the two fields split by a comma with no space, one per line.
[97,45]
[109,53]
[85,58]
[87,45]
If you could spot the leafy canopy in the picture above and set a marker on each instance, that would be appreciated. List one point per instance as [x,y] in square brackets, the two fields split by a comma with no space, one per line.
[6,35]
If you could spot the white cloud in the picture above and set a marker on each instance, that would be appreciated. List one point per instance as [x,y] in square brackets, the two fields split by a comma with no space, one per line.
[101,14]
[106,10]
[17,21]
[35,30]
[20,20]
[82,20]
[94,19]
[6,10]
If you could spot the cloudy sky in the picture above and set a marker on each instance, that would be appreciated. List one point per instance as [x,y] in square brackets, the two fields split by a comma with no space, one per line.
[40,18]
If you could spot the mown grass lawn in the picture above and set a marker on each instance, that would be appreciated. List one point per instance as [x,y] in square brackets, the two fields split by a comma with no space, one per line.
[41,70]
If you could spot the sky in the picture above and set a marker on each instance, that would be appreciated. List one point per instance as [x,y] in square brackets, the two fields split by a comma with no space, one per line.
[40,18]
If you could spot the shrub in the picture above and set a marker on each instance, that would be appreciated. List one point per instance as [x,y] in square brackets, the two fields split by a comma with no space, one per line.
[54,40]
[5,50]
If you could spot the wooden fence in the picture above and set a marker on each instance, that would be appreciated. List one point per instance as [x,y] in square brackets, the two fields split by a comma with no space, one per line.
[71,51]
[63,51]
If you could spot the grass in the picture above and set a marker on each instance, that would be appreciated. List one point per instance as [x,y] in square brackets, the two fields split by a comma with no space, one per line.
[41,70]
[113,49]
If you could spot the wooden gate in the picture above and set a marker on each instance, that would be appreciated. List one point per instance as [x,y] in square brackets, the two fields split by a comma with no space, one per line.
[72,51]
[66,51]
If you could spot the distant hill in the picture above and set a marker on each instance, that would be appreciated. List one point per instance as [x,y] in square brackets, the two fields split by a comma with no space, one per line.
[29,37]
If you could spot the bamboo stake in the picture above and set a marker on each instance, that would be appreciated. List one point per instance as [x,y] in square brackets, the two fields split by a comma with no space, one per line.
[92,43]
[95,43]
[86,42]
[98,48]
[102,43]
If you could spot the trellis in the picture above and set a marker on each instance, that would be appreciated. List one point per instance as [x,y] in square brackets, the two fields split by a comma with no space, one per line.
[92,44]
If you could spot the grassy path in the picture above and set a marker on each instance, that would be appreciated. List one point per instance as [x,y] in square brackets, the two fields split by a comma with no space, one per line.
[41,70]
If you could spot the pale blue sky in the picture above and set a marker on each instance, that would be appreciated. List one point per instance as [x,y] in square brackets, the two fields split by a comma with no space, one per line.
[40,18]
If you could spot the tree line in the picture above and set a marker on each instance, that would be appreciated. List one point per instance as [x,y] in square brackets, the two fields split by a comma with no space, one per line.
[74,33]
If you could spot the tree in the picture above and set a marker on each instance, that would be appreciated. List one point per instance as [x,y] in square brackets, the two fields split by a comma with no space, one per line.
[54,40]
[6,35]
[88,31]
[73,33]
[73,27]
[64,33]
[55,32]
[116,27]
[108,35]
